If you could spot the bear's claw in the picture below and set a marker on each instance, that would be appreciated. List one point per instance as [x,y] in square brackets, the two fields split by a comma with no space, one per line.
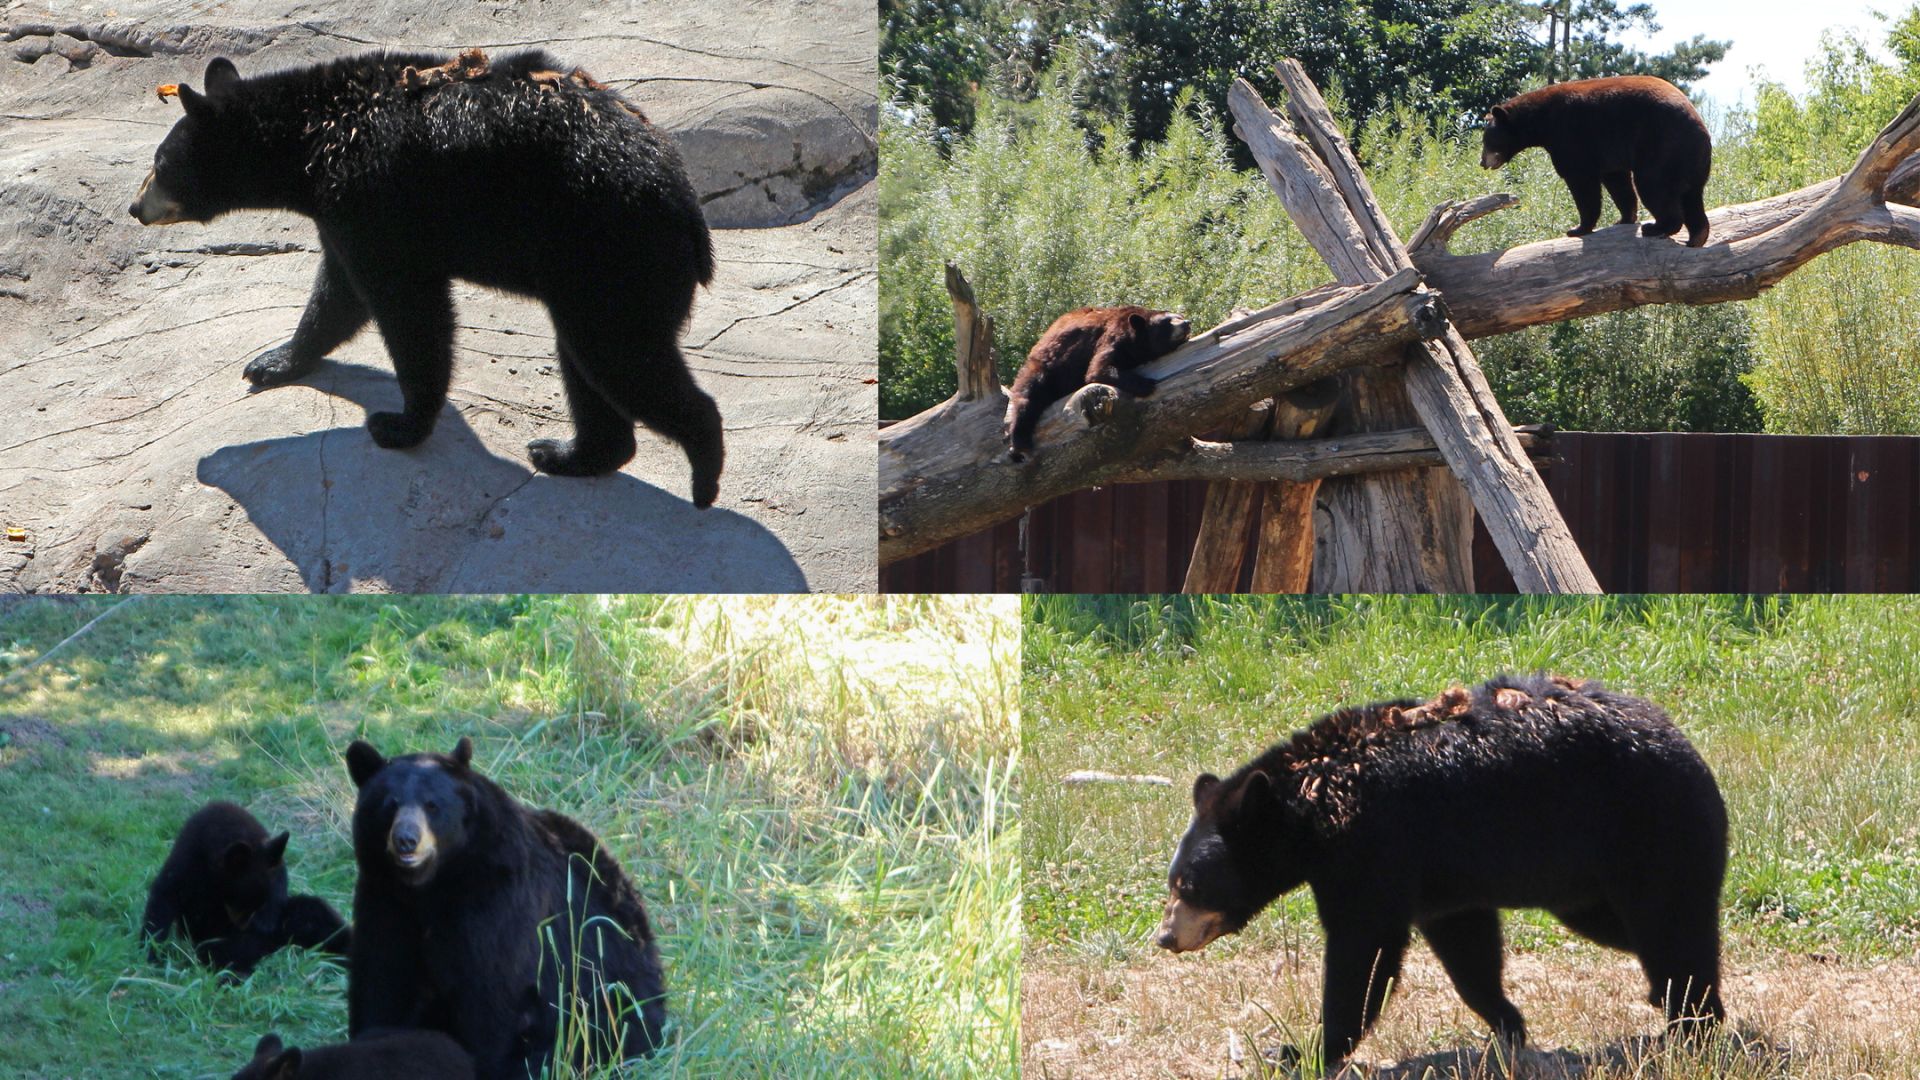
[276,367]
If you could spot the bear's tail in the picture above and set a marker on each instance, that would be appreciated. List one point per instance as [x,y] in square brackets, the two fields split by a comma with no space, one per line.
[1693,208]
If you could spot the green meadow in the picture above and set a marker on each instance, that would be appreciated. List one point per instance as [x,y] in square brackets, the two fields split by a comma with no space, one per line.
[815,797]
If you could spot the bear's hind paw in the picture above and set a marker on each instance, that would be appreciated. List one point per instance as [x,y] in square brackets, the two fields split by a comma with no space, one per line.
[564,457]
[398,431]
[276,367]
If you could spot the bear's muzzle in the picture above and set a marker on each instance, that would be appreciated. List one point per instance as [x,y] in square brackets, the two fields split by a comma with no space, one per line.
[410,841]
[154,205]
[1186,927]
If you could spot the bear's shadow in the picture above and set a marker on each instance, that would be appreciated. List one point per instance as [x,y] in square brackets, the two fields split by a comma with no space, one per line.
[1754,1054]
[451,515]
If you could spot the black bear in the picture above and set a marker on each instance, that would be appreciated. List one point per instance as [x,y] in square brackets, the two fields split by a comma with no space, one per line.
[378,1055]
[1087,345]
[485,919]
[516,174]
[224,884]
[1629,132]
[1539,792]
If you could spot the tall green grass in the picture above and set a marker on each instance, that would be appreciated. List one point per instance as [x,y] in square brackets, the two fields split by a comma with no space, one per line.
[815,797]
[1804,707]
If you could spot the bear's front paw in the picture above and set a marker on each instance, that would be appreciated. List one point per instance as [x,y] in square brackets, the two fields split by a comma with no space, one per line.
[1654,228]
[276,367]
[564,457]
[397,431]
[1580,230]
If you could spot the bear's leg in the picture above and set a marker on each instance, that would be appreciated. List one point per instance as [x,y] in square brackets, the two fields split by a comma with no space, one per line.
[1586,199]
[655,388]
[1361,969]
[1022,418]
[1693,206]
[1679,948]
[334,314]
[1468,945]
[1620,187]
[416,320]
[157,922]
[1663,201]
[384,983]
[602,435]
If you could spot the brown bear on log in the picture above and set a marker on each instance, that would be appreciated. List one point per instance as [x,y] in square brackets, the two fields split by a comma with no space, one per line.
[1627,133]
[1087,345]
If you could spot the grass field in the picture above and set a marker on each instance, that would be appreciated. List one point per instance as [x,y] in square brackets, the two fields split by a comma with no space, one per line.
[815,796]
[1805,709]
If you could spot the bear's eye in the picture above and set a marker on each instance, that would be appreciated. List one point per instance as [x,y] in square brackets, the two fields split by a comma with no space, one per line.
[392,803]
[432,807]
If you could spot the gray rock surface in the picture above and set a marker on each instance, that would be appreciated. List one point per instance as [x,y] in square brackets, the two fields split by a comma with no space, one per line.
[134,457]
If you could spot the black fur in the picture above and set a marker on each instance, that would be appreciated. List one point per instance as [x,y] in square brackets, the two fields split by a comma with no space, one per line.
[519,174]
[380,1055]
[1523,792]
[464,941]
[224,886]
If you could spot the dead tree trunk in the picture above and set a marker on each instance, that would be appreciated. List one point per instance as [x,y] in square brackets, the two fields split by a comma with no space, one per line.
[943,473]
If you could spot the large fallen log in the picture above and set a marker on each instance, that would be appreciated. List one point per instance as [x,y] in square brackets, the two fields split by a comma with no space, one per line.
[945,473]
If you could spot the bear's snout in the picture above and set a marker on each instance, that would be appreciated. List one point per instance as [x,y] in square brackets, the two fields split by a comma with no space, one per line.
[410,841]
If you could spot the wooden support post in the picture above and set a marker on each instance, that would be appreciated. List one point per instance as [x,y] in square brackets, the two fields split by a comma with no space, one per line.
[1283,562]
[1227,516]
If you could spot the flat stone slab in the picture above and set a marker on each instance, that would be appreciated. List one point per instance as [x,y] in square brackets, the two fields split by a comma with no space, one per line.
[134,457]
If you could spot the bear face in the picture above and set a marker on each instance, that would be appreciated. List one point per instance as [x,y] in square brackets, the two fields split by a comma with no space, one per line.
[1501,139]
[198,171]
[1150,335]
[271,1061]
[1214,886]
[413,813]
[252,880]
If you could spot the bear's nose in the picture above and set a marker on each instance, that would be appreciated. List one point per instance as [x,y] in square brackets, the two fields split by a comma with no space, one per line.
[133,208]
[405,841]
[1166,941]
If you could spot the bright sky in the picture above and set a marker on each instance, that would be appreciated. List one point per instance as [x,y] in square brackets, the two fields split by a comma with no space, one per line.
[1775,36]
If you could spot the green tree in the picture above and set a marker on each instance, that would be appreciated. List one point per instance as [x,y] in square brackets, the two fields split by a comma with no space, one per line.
[1578,43]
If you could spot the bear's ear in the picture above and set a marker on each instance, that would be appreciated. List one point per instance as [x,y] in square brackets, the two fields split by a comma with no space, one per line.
[1204,783]
[287,1068]
[363,761]
[221,77]
[1255,791]
[275,850]
[463,752]
[268,1046]
[194,102]
[237,857]
[1499,115]
[1137,323]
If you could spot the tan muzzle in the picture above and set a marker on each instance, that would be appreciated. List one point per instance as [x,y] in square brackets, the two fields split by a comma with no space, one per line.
[154,206]
[1186,927]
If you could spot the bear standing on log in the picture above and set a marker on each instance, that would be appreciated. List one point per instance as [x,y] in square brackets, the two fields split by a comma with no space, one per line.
[1087,345]
[517,174]
[1627,133]
[1539,792]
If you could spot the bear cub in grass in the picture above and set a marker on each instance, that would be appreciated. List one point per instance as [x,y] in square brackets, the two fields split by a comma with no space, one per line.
[1628,133]
[224,885]
[518,174]
[483,918]
[1087,345]
[1539,792]
[381,1055]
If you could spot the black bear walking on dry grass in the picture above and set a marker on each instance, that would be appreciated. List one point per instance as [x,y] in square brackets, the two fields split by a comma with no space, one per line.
[391,1055]
[1536,792]
[516,174]
[508,928]
[1627,133]
[1087,345]
[224,886]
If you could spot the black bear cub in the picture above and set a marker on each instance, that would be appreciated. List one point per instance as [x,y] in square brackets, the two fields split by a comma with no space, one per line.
[1087,345]
[518,174]
[382,1055]
[482,918]
[1539,792]
[224,884]
[1626,133]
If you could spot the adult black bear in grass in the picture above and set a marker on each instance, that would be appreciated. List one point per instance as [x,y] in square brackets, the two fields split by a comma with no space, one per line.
[1537,792]
[1087,345]
[380,1055]
[517,174]
[224,885]
[1627,133]
[493,922]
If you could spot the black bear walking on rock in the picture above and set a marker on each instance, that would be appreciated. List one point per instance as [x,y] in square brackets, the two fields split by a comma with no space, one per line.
[1087,345]
[516,174]
[477,916]
[224,885]
[1536,792]
[1627,133]
[380,1055]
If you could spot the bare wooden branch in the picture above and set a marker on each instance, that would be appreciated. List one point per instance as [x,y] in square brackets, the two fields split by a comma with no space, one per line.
[1307,460]
[1444,382]
[973,358]
[944,473]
